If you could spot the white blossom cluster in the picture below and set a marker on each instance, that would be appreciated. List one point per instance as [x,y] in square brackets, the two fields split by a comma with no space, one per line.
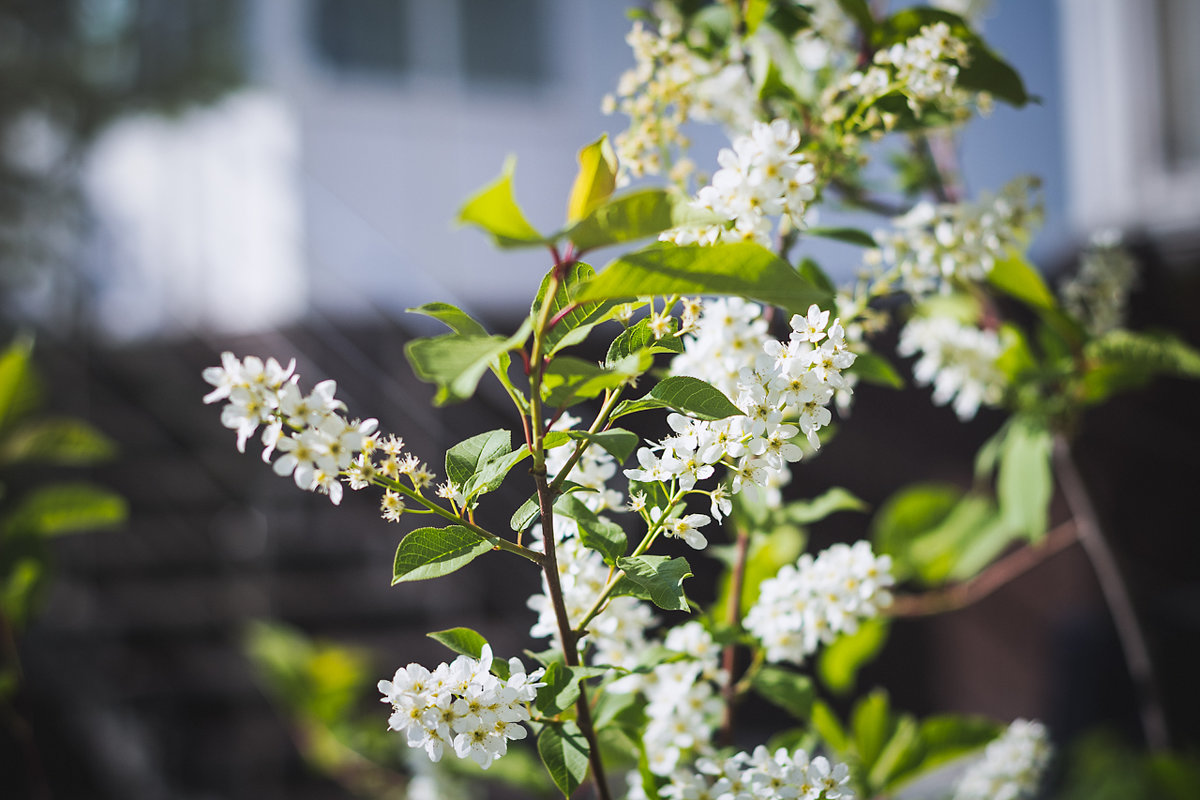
[763,775]
[683,702]
[728,334]
[960,361]
[1011,766]
[927,64]
[761,177]
[810,603]
[1097,295]
[669,84]
[461,706]
[315,442]
[933,244]
[778,384]
[592,471]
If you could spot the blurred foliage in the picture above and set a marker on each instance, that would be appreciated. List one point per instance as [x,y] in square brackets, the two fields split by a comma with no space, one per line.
[38,513]
[1100,766]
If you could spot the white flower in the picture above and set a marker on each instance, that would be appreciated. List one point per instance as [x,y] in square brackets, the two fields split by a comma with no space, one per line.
[1011,767]
[960,361]
[686,528]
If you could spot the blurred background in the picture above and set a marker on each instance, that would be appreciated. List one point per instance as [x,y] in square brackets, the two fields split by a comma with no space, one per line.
[279,177]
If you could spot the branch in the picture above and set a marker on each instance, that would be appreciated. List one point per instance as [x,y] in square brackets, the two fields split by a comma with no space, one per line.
[985,583]
[1116,594]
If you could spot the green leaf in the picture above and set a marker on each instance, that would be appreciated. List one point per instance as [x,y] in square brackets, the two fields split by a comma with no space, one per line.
[468,642]
[806,512]
[826,723]
[19,591]
[853,236]
[874,368]
[495,210]
[638,337]
[627,218]
[685,394]
[789,690]
[68,442]
[455,318]
[839,663]
[935,553]
[574,325]
[1143,355]
[467,457]
[619,442]
[562,687]
[454,362]
[1018,278]
[755,12]
[902,751]
[741,269]
[1025,483]
[568,380]
[595,181]
[433,552]
[524,516]
[65,508]
[19,391]
[564,751]
[596,533]
[872,724]
[906,515]
[658,579]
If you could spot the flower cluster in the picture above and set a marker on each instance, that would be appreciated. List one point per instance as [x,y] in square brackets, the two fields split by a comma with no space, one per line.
[683,704]
[934,244]
[669,84]
[461,706]
[762,774]
[1098,293]
[960,361]
[1011,766]
[810,603]
[316,443]
[793,380]
[761,177]
[927,64]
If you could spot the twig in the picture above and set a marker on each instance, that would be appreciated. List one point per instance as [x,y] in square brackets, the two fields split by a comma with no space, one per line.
[985,583]
[734,617]
[1116,594]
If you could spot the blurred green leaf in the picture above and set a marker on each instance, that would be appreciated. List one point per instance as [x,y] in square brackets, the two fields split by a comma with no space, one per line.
[63,441]
[789,690]
[595,181]
[456,319]
[495,210]
[1015,276]
[65,508]
[874,368]
[905,516]
[1025,482]
[839,662]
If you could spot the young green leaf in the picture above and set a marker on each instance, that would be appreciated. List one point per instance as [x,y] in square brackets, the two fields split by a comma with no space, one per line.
[64,441]
[789,690]
[454,318]
[1018,278]
[495,210]
[568,380]
[742,269]
[806,512]
[564,751]
[595,181]
[839,663]
[470,643]
[658,579]
[907,515]
[627,218]
[454,362]
[65,508]
[1025,483]
[872,725]
[19,388]
[434,552]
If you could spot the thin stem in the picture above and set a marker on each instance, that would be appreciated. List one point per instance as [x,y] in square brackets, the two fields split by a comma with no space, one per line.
[598,424]
[987,582]
[1116,594]
[733,615]
[492,539]
[550,557]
